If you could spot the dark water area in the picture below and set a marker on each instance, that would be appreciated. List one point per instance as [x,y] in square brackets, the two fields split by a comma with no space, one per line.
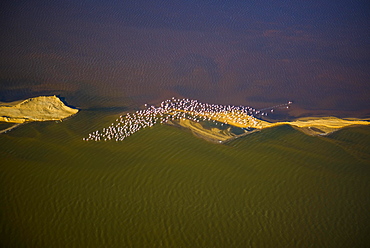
[163,187]
[257,54]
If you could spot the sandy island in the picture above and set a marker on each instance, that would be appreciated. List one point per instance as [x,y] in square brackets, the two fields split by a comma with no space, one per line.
[42,108]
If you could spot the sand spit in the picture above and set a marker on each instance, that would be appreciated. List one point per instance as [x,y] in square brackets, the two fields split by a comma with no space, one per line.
[308,125]
[213,122]
[42,108]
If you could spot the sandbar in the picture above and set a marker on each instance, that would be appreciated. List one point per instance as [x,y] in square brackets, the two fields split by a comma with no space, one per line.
[41,108]
[308,125]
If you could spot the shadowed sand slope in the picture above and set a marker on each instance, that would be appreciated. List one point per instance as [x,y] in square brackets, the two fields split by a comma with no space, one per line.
[42,108]
[213,134]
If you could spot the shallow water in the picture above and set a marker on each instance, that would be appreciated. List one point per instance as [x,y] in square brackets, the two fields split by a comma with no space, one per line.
[163,187]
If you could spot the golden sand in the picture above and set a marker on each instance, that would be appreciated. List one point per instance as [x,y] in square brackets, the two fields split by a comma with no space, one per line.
[308,125]
[207,121]
[213,134]
[42,108]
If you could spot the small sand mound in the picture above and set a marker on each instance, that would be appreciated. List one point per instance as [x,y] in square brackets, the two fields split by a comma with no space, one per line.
[42,108]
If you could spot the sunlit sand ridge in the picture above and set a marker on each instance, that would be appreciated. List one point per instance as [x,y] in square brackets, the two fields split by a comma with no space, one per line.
[308,125]
[42,108]
[197,116]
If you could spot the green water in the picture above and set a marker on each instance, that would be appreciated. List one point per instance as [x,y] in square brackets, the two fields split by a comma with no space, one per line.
[163,187]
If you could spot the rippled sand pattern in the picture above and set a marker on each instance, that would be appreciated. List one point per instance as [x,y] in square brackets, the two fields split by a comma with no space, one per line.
[164,188]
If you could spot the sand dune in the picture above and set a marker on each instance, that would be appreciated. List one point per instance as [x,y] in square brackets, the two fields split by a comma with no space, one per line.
[42,108]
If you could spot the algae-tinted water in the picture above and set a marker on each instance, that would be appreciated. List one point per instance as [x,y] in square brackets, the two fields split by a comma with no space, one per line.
[163,187]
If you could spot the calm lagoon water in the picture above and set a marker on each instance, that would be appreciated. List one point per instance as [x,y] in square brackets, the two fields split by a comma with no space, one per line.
[162,186]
